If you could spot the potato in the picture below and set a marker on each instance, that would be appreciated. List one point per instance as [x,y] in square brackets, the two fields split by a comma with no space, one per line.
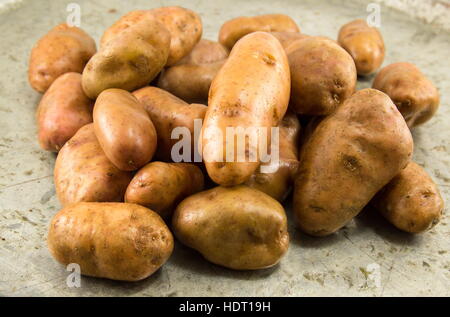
[364,43]
[323,75]
[288,39]
[414,94]
[124,129]
[63,49]
[117,241]
[167,113]
[278,184]
[237,227]
[191,78]
[161,186]
[349,157]
[251,91]
[83,173]
[130,60]
[411,200]
[63,110]
[234,29]
[184,26]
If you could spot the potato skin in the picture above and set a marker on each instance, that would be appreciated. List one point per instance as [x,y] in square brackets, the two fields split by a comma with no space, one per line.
[168,112]
[190,79]
[323,75]
[251,90]
[364,43]
[414,94]
[278,184]
[411,201]
[349,157]
[161,186]
[63,110]
[237,227]
[287,39]
[118,241]
[62,50]
[130,60]
[234,29]
[83,173]
[124,129]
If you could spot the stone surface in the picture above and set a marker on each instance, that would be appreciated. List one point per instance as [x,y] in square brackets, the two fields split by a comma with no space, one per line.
[347,263]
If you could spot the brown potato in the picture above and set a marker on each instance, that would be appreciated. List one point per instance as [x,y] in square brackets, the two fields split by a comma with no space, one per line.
[250,91]
[364,43]
[349,157]
[63,49]
[167,113]
[84,173]
[190,79]
[119,241]
[323,75]
[130,60]
[184,26]
[161,186]
[278,184]
[234,29]
[414,94]
[237,227]
[63,110]
[124,129]
[411,201]
[288,39]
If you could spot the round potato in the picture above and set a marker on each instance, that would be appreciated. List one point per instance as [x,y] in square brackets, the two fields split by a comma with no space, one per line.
[83,173]
[124,129]
[161,186]
[364,43]
[130,60]
[414,94]
[167,113]
[117,241]
[323,75]
[62,50]
[278,184]
[237,227]
[249,95]
[348,158]
[63,110]
[234,29]
[411,201]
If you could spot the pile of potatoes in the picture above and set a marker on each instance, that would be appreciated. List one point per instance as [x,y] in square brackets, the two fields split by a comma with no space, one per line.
[110,113]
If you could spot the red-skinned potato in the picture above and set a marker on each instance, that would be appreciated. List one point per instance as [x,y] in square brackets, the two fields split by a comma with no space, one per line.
[62,50]
[83,173]
[348,158]
[161,186]
[63,110]
[124,129]
[250,91]
[118,241]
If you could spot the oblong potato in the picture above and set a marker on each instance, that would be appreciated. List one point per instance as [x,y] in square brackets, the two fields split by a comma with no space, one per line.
[348,158]
[251,91]
[237,227]
[130,60]
[124,129]
[364,43]
[161,186]
[167,113]
[83,173]
[205,52]
[414,94]
[234,29]
[63,110]
[323,75]
[62,50]
[287,39]
[411,201]
[117,241]
[278,184]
